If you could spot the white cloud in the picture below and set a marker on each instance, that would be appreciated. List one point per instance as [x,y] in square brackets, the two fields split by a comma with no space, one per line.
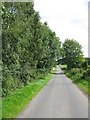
[68,18]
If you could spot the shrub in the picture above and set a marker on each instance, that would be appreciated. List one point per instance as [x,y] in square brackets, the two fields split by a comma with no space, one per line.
[84,65]
[88,72]
[84,74]
[75,71]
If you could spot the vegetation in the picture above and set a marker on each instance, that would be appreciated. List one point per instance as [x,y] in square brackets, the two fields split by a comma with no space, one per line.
[13,104]
[88,59]
[75,65]
[29,48]
[80,76]
[76,76]
[72,54]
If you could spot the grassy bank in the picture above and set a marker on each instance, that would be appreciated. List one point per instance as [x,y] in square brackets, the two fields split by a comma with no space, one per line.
[15,103]
[84,84]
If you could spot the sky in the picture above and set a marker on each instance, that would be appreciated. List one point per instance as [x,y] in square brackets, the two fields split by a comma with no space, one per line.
[68,18]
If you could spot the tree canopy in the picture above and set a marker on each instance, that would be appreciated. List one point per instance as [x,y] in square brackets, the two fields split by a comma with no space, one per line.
[29,47]
[72,53]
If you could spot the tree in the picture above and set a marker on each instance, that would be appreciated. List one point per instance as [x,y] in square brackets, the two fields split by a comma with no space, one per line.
[72,53]
[29,47]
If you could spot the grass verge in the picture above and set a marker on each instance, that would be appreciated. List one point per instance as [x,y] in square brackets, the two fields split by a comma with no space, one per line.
[84,84]
[14,104]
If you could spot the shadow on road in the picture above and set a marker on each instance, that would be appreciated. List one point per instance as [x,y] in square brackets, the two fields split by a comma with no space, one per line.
[58,73]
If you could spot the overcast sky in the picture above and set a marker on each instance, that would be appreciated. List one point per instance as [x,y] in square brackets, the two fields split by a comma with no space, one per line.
[68,18]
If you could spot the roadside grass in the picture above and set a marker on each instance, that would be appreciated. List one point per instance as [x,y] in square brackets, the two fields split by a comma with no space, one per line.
[84,84]
[12,105]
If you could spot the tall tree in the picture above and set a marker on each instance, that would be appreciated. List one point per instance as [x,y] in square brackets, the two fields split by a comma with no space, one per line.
[72,53]
[28,46]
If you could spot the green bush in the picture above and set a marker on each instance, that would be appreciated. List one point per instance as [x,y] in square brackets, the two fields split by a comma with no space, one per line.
[84,74]
[7,85]
[75,71]
[88,72]
[84,65]
[80,73]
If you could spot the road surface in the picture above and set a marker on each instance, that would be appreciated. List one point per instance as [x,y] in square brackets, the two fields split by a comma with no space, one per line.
[60,98]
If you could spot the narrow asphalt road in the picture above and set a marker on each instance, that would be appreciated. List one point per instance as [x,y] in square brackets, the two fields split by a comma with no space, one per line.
[60,98]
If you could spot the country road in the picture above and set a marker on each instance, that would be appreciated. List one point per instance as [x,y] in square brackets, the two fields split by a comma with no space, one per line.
[60,98]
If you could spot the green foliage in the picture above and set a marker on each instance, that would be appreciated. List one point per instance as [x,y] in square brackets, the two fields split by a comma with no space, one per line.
[79,77]
[88,72]
[75,71]
[13,104]
[84,74]
[84,65]
[29,48]
[80,73]
[72,54]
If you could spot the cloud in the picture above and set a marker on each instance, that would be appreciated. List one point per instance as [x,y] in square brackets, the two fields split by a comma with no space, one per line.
[77,21]
[69,19]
